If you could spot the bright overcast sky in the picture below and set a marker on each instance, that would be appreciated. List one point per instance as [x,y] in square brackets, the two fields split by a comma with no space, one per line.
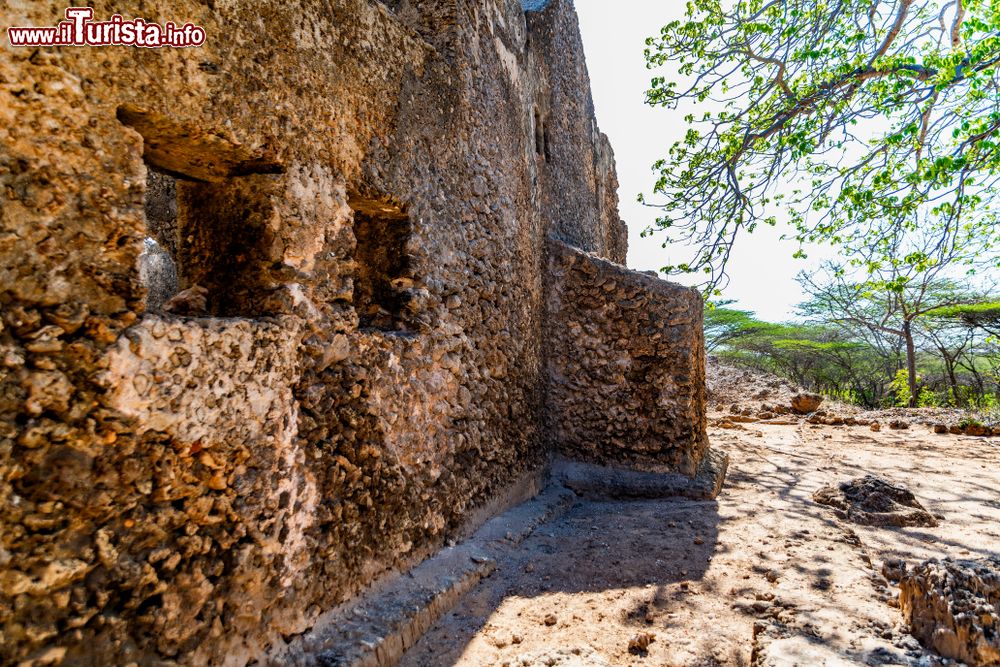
[762,269]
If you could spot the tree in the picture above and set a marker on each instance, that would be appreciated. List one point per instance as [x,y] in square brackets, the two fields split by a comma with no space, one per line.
[973,331]
[881,112]
[818,357]
[952,341]
[888,301]
[724,325]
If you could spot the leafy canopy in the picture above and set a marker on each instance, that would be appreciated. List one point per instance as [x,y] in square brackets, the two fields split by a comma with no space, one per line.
[723,325]
[855,120]
[984,315]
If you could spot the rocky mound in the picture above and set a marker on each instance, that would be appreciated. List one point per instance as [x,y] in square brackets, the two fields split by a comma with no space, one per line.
[728,384]
[873,501]
[739,395]
[953,607]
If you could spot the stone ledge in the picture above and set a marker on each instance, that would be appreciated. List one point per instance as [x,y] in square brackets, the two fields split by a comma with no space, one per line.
[375,630]
[596,481]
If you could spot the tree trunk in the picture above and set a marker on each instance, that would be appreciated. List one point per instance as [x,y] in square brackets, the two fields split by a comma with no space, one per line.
[949,367]
[959,401]
[980,385]
[911,363]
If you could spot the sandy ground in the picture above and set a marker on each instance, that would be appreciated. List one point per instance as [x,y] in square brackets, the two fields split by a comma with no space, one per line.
[761,576]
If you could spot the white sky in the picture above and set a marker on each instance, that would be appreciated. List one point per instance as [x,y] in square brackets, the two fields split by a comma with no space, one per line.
[762,269]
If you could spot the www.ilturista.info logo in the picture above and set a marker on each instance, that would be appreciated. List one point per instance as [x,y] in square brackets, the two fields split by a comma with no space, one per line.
[79,29]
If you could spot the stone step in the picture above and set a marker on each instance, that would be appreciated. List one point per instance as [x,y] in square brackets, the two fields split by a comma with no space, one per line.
[375,630]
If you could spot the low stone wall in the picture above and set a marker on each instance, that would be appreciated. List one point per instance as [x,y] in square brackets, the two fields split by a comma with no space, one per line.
[626,365]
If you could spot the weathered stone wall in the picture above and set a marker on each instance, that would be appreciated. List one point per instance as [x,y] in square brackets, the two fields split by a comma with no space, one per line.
[197,483]
[953,608]
[572,152]
[626,365]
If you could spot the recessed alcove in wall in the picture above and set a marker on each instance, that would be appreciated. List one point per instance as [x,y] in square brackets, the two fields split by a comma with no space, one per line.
[227,244]
[531,7]
[383,279]
[208,206]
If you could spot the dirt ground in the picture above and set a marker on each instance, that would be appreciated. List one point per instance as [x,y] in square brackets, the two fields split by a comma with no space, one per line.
[761,576]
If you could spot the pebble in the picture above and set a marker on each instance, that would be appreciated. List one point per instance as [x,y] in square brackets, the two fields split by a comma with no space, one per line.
[640,642]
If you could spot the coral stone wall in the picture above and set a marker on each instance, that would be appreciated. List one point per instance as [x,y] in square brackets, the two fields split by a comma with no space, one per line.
[626,365]
[195,478]
[951,606]
[584,217]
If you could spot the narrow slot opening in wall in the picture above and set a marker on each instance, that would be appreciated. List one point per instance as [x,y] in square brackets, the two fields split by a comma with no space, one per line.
[540,138]
[383,279]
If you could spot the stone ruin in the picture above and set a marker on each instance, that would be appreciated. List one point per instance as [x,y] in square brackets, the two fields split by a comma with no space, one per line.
[953,607]
[284,313]
[873,501]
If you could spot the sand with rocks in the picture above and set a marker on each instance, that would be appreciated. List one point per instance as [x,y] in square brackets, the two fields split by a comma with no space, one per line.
[764,575]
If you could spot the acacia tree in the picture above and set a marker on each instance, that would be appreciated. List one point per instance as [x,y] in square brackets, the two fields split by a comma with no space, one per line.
[888,301]
[821,358]
[984,316]
[978,326]
[723,325]
[951,341]
[852,119]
